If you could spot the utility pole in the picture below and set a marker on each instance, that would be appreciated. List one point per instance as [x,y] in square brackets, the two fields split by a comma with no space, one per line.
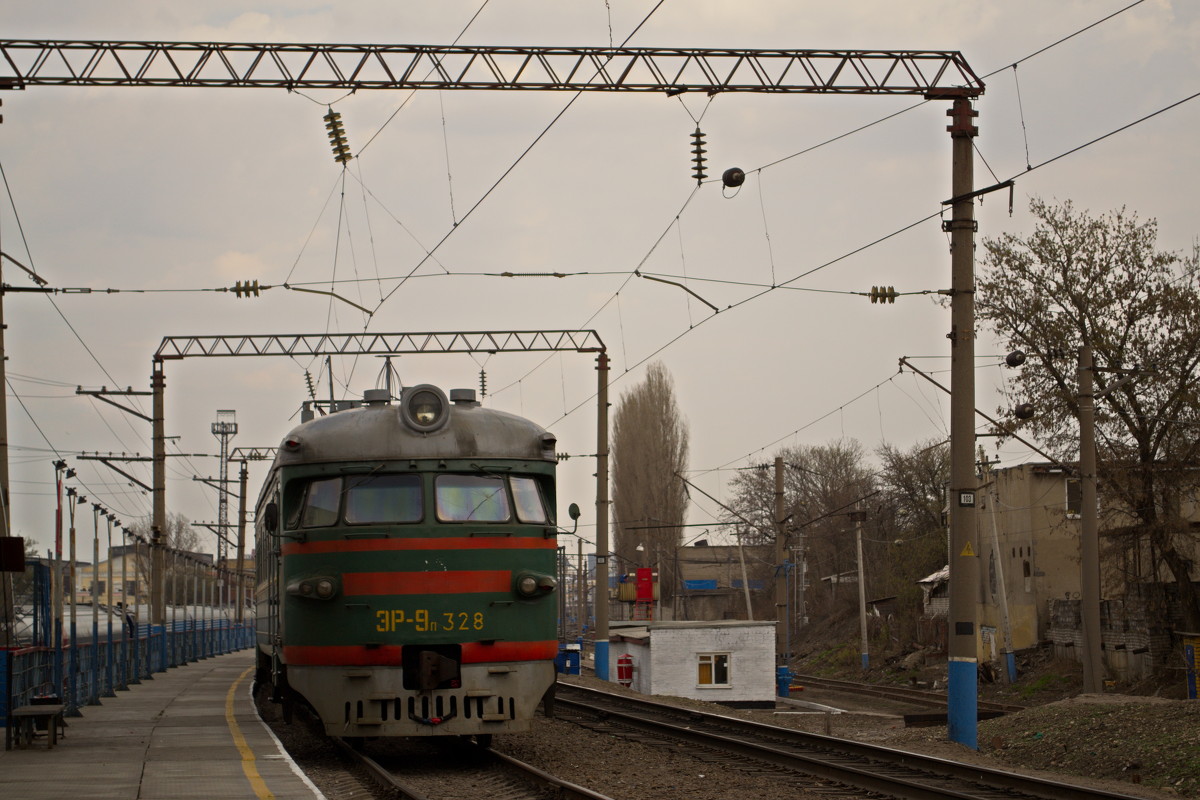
[783,622]
[601,633]
[580,586]
[1089,548]
[240,583]
[158,524]
[225,428]
[963,693]
[6,586]
[858,517]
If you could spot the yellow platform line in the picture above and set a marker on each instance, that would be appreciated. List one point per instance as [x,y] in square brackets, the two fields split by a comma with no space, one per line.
[248,765]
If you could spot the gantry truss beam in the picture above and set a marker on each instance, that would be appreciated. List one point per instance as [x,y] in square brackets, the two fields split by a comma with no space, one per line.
[943,73]
[325,344]
[253,453]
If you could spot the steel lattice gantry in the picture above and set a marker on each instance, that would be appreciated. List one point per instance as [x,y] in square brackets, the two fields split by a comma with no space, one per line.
[174,348]
[26,62]
[353,344]
[931,74]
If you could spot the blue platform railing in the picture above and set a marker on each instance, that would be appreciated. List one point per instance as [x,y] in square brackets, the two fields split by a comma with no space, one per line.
[80,667]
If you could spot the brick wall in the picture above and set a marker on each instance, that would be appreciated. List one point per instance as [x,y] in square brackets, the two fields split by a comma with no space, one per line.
[1135,630]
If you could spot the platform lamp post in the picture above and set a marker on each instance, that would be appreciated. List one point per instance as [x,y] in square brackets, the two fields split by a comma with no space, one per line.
[108,583]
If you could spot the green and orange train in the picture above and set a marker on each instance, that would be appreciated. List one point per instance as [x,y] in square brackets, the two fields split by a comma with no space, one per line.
[406,568]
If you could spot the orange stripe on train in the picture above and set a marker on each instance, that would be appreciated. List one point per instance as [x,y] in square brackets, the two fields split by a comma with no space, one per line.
[446,582]
[389,655]
[440,543]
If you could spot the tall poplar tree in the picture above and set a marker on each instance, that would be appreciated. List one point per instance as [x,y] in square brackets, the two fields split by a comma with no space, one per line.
[649,454]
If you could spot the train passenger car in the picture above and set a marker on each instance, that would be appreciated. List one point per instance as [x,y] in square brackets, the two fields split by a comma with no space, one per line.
[406,568]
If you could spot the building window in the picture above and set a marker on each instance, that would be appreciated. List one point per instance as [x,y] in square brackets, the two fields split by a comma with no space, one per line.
[713,669]
[1074,498]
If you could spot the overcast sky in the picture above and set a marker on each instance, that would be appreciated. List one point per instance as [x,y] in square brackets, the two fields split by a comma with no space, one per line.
[190,189]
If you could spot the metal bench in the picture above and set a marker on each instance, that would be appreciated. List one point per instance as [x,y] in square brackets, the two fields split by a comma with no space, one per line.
[29,718]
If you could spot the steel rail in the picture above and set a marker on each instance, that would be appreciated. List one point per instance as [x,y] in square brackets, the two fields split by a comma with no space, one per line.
[540,779]
[33,62]
[903,693]
[897,773]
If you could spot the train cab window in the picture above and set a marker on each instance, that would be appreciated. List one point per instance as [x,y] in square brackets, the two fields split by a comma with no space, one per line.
[321,500]
[471,498]
[384,498]
[528,500]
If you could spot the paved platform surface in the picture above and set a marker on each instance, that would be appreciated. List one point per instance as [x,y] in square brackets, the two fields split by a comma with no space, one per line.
[191,732]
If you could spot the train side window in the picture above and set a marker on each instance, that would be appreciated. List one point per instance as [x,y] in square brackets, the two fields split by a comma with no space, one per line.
[384,498]
[528,500]
[321,501]
[471,498]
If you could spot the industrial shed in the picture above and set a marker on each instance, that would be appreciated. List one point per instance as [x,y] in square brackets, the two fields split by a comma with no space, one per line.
[731,662]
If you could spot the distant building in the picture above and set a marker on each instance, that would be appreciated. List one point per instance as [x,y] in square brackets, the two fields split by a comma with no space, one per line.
[1028,545]
[713,581]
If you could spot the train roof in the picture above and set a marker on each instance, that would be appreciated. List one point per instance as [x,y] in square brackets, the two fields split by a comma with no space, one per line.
[378,431]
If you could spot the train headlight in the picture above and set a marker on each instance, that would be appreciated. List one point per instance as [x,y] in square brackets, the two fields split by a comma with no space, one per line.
[424,408]
[314,587]
[529,584]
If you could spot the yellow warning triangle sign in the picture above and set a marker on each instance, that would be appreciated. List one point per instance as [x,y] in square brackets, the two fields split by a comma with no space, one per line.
[968,550]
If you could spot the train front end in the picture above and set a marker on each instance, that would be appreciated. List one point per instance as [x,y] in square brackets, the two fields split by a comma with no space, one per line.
[414,589]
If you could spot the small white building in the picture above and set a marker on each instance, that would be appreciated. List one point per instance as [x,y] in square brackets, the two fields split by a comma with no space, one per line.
[720,661]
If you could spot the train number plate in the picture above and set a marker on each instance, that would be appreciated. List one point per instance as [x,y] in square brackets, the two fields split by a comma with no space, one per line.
[422,620]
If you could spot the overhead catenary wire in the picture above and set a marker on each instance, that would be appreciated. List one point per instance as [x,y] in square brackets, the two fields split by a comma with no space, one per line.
[511,167]
[881,239]
[790,287]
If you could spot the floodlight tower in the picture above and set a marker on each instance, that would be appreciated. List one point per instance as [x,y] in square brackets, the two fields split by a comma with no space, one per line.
[225,428]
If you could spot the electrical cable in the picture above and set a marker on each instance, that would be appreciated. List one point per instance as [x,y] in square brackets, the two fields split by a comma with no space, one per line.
[511,167]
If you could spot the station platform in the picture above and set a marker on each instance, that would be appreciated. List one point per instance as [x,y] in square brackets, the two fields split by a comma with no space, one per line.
[191,732]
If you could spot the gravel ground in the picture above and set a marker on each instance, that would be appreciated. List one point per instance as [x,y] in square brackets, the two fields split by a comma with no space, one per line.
[1145,747]
[1142,746]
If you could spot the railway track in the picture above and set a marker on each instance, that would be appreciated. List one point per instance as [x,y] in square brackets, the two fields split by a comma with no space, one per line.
[904,693]
[425,770]
[801,757]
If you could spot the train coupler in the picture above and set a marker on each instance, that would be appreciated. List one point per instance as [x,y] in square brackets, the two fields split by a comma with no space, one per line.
[431,721]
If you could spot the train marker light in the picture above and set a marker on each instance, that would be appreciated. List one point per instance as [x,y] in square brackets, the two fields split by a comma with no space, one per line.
[320,588]
[531,584]
[424,408]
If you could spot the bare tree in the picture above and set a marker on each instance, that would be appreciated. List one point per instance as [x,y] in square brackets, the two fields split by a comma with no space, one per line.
[822,485]
[1100,281]
[187,580]
[909,533]
[649,453]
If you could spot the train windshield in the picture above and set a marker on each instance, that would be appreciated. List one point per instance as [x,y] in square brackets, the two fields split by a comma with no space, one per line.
[384,498]
[321,503]
[471,498]
[528,500]
[369,500]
